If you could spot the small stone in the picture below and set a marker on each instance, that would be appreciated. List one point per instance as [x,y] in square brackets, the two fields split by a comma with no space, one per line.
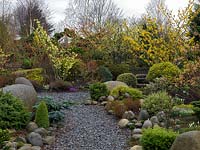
[36,148]
[154,120]
[25,147]
[11,144]
[163,124]
[104,103]
[136,147]
[123,123]
[127,95]
[110,112]
[102,98]
[143,115]
[137,131]
[138,125]
[31,126]
[110,98]
[20,139]
[88,102]
[147,124]
[42,131]
[177,127]
[49,140]
[94,102]
[137,136]
[35,139]
[161,116]
[128,115]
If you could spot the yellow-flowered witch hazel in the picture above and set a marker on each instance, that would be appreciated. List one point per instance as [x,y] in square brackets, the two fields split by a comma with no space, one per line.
[61,59]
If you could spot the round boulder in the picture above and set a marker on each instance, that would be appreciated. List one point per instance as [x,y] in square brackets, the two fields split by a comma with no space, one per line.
[31,126]
[22,80]
[128,115]
[187,141]
[123,123]
[143,115]
[35,139]
[24,92]
[147,124]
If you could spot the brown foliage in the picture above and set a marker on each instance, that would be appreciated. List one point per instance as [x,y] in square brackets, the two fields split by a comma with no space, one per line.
[119,109]
[133,105]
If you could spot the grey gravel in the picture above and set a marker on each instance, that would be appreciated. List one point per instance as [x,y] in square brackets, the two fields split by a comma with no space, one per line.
[87,127]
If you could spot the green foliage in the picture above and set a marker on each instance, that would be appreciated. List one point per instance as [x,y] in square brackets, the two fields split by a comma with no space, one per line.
[50,103]
[97,90]
[120,92]
[157,139]
[105,74]
[128,78]
[117,69]
[13,114]
[196,108]
[157,102]
[4,136]
[194,26]
[78,72]
[41,117]
[27,64]
[56,116]
[183,110]
[35,74]
[158,84]
[165,69]
[61,59]
[193,128]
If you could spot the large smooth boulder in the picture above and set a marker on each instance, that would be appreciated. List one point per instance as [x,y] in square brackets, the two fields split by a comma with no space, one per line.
[24,92]
[22,80]
[187,141]
[112,84]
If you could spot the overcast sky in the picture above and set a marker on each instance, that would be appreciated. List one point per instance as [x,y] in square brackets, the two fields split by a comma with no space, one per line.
[130,7]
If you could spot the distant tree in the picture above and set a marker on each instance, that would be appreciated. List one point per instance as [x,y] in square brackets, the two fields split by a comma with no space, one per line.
[92,14]
[154,10]
[27,11]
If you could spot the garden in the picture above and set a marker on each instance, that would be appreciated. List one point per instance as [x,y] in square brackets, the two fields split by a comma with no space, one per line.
[117,84]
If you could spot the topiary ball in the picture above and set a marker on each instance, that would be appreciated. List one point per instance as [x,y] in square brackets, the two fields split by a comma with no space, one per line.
[128,78]
[165,69]
[42,117]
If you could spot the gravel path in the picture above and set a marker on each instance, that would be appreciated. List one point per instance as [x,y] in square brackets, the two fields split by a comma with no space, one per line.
[87,127]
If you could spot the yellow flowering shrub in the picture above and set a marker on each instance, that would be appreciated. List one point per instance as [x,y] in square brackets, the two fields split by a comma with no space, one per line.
[62,60]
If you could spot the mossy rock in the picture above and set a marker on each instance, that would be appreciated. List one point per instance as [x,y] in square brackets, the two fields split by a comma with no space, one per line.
[36,74]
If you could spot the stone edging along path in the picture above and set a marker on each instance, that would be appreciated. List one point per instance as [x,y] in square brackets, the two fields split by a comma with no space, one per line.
[87,127]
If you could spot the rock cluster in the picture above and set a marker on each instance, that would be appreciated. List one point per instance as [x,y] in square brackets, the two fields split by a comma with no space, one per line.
[35,139]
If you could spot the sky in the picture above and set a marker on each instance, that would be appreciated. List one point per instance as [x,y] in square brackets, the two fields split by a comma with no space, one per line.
[129,7]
